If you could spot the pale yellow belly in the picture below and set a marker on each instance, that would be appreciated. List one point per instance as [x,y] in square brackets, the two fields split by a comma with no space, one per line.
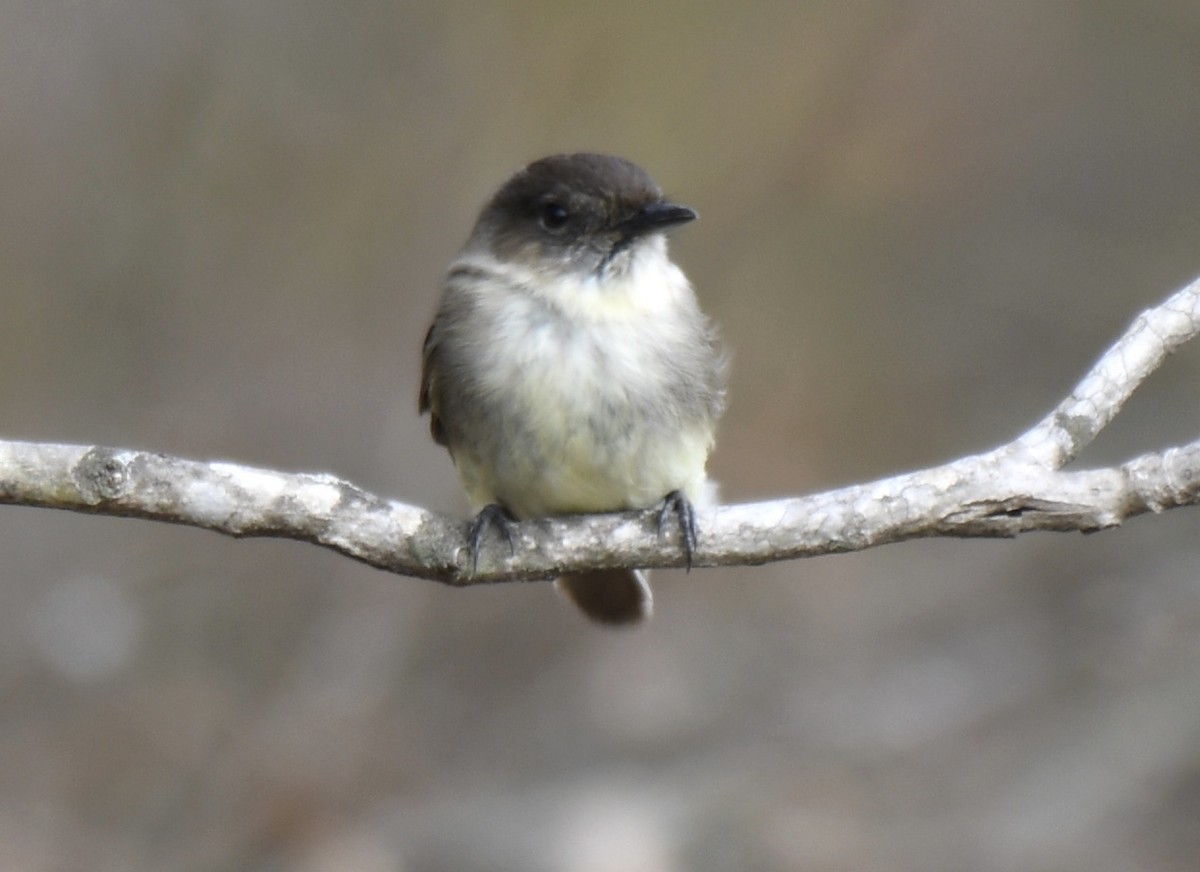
[577,475]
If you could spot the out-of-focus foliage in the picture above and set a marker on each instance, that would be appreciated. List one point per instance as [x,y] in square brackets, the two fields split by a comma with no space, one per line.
[222,228]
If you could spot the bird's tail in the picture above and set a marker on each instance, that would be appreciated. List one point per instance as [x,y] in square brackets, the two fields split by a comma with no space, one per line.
[610,596]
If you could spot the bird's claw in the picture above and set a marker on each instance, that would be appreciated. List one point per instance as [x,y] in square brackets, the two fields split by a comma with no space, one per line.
[492,515]
[675,503]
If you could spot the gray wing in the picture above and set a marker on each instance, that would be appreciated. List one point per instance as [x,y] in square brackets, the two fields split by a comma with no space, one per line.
[427,398]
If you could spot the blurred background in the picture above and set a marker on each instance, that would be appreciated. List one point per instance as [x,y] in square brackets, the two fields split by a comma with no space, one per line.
[223,225]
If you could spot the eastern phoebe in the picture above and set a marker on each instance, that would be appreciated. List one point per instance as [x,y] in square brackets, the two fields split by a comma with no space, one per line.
[569,368]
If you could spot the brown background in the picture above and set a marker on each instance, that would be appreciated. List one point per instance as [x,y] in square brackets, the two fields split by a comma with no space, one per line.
[222,227]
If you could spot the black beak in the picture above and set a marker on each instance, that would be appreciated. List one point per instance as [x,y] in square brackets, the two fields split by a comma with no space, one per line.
[656,218]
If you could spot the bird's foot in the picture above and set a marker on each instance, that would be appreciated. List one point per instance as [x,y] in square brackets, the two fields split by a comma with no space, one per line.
[491,515]
[675,503]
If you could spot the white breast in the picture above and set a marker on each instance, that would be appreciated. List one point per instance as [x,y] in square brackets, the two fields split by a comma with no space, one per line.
[578,366]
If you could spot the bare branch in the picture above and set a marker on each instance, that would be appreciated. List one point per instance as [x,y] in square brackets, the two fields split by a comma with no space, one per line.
[1015,488]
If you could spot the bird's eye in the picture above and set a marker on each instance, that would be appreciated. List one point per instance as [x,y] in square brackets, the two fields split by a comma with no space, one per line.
[554,216]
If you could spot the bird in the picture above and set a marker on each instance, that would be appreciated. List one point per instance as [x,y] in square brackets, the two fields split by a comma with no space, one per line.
[569,368]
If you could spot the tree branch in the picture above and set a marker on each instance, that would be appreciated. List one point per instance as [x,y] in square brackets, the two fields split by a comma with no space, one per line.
[1012,489]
